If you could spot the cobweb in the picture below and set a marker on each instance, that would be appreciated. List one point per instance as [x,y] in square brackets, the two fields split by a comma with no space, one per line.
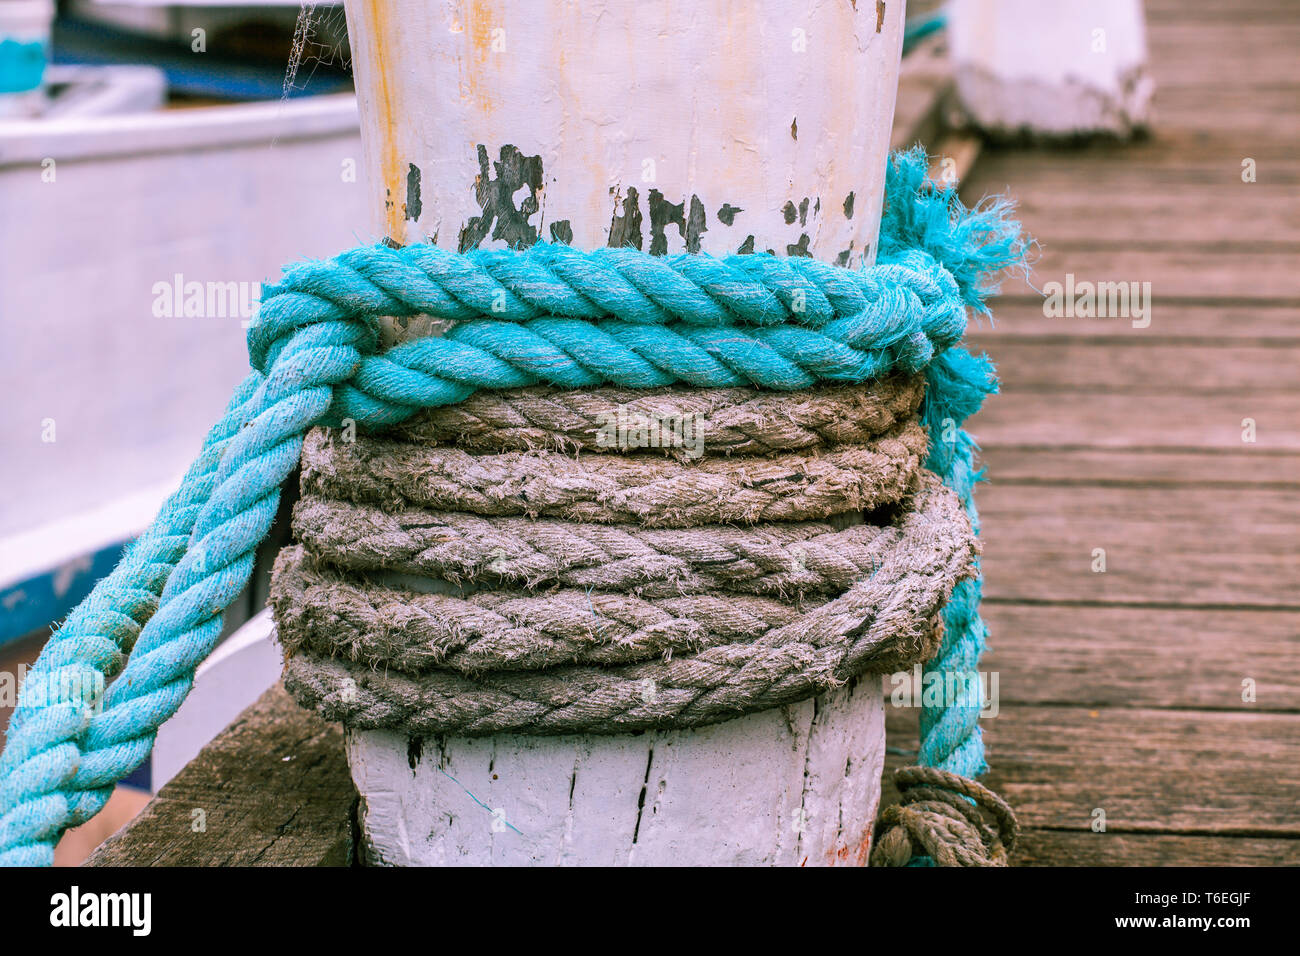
[320,38]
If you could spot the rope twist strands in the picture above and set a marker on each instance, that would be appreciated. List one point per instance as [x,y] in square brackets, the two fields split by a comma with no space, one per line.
[716,421]
[314,351]
[789,560]
[656,492]
[939,820]
[488,661]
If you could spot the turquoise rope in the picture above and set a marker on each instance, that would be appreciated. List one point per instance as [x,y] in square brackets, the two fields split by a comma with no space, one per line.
[547,314]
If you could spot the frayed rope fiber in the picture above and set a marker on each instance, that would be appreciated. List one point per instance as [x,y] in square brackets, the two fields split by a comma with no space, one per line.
[548,315]
[542,661]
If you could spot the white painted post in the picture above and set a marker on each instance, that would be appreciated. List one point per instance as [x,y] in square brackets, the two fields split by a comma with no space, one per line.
[1051,67]
[716,126]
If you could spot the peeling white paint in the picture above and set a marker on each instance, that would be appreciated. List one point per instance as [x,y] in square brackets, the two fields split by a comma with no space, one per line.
[690,99]
[792,786]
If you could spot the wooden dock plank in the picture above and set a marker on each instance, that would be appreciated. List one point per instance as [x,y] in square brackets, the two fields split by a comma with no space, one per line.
[273,789]
[1102,420]
[1175,273]
[1236,323]
[1123,690]
[1244,213]
[1021,465]
[1167,157]
[1142,365]
[1072,847]
[1151,771]
[1144,657]
[1162,546]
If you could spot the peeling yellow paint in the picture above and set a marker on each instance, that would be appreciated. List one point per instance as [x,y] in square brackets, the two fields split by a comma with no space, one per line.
[480,18]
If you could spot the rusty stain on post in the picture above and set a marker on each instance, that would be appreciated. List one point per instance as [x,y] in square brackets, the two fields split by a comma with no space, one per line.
[390,165]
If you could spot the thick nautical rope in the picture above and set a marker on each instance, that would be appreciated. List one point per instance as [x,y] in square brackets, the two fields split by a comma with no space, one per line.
[521,660]
[736,321]
[725,421]
[613,488]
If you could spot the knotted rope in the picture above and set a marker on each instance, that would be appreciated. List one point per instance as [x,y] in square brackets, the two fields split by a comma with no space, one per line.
[543,315]
[940,819]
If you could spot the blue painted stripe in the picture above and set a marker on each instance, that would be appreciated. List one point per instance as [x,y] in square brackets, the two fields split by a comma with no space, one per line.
[45,599]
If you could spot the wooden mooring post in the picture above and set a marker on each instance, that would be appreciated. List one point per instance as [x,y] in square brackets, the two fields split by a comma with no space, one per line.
[1051,69]
[714,127]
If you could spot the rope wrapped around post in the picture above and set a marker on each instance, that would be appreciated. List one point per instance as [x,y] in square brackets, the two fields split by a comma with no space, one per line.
[545,315]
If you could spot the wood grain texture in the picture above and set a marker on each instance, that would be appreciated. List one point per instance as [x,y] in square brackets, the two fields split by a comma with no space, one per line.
[1245,214]
[1141,367]
[1145,657]
[1179,546]
[1123,690]
[791,786]
[1100,419]
[1153,771]
[1021,465]
[1175,272]
[1232,322]
[1071,847]
[273,789]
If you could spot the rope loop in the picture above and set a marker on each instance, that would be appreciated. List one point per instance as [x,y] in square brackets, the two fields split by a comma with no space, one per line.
[940,817]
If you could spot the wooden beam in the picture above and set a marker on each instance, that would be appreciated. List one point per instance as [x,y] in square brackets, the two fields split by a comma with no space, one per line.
[273,789]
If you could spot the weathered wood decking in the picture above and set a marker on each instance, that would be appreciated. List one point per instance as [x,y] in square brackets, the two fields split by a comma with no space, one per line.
[1122,691]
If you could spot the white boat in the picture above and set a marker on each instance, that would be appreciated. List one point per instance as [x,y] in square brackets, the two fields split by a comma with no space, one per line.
[132,248]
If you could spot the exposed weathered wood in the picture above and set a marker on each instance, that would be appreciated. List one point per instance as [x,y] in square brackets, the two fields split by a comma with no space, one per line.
[1017,464]
[1229,323]
[1123,690]
[711,796]
[924,86]
[1103,420]
[1240,43]
[1174,273]
[1262,112]
[1256,214]
[1170,157]
[1213,13]
[954,156]
[1144,657]
[1152,771]
[1073,848]
[273,789]
[1141,367]
[1182,545]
